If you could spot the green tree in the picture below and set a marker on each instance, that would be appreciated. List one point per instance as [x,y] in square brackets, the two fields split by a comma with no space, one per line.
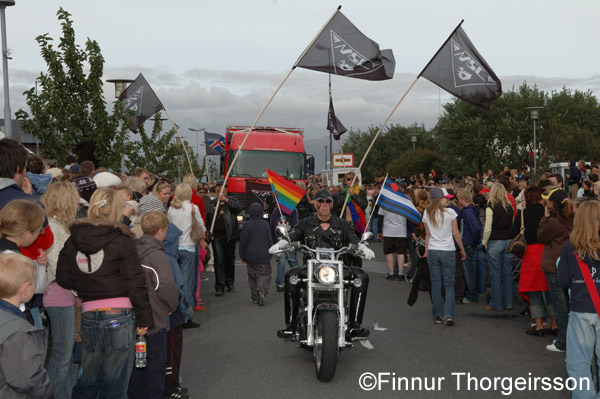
[410,163]
[160,153]
[70,107]
[391,144]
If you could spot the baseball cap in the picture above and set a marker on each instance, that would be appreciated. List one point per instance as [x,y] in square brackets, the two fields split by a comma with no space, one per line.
[323,194]
[437,193]
[557,195]
[448,193]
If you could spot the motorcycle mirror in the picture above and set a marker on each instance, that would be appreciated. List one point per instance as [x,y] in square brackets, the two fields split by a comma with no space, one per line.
[280,231]
[367,235]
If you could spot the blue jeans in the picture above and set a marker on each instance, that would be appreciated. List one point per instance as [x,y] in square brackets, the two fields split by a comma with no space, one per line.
[189,271]
[442,264]
[481,269]
[560,302]
[583,338]
[501,274]
[107,354]
[537,308]
[292,259]
[375,228]
[61,370]
[470,271]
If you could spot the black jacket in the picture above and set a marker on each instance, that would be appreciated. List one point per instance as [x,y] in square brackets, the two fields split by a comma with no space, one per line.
[101,262]
[229,211]
[340,233]
[255,239]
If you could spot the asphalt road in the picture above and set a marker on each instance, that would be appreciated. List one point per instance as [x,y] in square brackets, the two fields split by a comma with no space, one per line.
[236,353]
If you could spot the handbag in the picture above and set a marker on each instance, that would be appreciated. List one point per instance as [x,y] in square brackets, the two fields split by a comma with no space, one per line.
[518,245]
[196,232]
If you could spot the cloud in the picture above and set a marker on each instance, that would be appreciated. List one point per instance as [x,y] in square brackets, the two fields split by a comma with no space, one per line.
[213,99]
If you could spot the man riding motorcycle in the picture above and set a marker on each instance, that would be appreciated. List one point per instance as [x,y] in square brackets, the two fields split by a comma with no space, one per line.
[323,230]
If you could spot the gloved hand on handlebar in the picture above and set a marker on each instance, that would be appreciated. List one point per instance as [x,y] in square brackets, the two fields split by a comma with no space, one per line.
[365,251]
[280,246]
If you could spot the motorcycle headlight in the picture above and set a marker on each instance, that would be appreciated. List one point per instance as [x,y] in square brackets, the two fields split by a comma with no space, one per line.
[327,274]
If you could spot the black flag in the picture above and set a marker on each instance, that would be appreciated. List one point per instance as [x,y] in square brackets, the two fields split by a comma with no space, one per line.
[141,99]
[342,49]
[459,69]
[333,123]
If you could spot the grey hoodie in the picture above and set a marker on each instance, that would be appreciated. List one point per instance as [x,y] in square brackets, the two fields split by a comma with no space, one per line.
[162,290]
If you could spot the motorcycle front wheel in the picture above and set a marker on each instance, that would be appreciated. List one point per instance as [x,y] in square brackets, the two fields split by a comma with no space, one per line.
[326,345]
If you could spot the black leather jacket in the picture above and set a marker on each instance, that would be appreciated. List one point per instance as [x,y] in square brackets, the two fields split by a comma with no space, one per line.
[230,211]
[340,233]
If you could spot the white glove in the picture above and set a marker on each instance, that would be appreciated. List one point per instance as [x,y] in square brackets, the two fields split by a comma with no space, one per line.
[281,245]
[365,251]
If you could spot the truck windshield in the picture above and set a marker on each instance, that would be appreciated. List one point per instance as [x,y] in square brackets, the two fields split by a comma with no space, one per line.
[253,164]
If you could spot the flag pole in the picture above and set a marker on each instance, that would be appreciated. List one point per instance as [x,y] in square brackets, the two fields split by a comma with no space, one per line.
[442,46]
[263,111]
[181,141]
[375,138]
[330,170]
[375,205]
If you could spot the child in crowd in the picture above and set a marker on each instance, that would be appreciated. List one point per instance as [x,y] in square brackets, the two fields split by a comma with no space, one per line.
[149,382]
[255,241]
[22,346]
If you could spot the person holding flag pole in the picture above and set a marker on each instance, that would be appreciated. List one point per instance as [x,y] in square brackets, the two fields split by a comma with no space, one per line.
[338,48]
[458,68]
[291,195]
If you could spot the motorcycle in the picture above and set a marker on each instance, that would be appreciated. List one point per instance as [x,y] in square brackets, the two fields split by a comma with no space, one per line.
[322,317]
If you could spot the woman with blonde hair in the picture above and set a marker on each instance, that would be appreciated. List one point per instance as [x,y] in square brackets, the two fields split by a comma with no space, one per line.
[60,200]
[496,238]
[100,261]
[196,199]
[441,230]
[157,199]
[579,260]
[180,214]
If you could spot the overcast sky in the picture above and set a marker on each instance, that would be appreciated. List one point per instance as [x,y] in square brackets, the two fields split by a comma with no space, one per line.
[216,63]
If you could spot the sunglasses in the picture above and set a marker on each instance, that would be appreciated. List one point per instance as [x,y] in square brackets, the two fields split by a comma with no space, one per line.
[323,200]
[348,178]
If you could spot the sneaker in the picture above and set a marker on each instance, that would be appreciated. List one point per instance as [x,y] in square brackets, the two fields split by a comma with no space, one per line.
[261,297]
[230,288]
[204,278]
[191,324]
[535,332]
[466,301]
[210,269]
[391,277]
[553,347]
[400,277]
[438,320]
[199,308]
[176,396]
[201,301]
[182,390]
[450,322]
[286,333]
[280,288]
[219,293]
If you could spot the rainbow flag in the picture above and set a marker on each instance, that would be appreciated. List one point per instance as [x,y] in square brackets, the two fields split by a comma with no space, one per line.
[288,193]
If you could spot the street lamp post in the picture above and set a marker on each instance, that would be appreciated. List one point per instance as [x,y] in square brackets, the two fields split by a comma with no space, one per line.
[197,145]
[413,139]
[534,117]
[7,114]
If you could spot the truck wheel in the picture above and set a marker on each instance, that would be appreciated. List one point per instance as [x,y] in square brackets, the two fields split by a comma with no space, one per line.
[326,345]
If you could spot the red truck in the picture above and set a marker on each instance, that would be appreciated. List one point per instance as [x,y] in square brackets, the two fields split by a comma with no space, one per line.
[280,149]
